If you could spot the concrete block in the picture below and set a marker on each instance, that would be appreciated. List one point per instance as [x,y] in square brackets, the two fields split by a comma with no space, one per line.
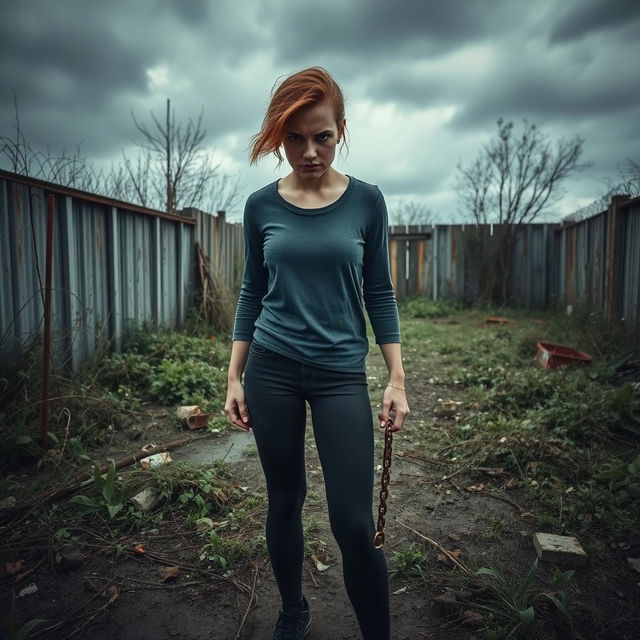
[562,549]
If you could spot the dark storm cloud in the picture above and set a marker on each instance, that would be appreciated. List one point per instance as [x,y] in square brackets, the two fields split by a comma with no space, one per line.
[77,68]
[551,92]
[193,12]
[77,54]
[375,29]
[429,78]
[590,16]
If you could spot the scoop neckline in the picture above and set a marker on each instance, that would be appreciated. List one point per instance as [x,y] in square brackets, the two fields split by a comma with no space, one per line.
[314,211]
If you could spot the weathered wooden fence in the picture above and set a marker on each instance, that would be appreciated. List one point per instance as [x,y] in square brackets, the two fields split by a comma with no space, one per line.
[223,243]
[595,262]
[447,261]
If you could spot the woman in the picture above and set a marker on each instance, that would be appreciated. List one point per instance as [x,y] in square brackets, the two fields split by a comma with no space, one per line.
[316,248]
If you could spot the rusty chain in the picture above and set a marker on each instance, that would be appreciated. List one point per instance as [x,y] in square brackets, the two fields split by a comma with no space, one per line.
[378,538]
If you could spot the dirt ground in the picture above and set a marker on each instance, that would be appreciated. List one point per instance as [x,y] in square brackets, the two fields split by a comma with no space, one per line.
[485,529]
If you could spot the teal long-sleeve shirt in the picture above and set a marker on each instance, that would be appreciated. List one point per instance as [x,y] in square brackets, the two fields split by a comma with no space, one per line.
[309,275]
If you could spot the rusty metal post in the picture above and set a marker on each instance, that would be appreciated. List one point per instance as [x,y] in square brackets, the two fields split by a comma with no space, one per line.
[219,230]
[615,257]
[46,350]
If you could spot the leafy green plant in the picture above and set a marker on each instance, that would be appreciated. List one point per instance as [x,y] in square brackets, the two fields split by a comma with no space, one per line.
[225,551]
[624,406]
[422,307]
[15,632]
[107,495]
[514,607]
[166,344]
[623,480]
[407,562]
[125,369]
[310,528]
[178,382]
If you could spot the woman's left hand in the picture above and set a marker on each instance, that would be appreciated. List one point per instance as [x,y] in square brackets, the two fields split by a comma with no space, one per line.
[394,400]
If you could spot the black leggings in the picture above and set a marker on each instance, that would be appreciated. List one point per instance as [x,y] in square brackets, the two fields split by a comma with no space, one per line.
[276,388]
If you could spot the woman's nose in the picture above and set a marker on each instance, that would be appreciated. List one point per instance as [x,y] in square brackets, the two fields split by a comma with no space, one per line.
[310,150]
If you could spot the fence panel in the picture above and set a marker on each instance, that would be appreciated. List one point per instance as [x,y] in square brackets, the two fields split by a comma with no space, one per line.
[631,270]
[223,243]
[113,264]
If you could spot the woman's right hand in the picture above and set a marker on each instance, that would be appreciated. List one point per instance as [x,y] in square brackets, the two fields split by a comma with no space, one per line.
[236,407]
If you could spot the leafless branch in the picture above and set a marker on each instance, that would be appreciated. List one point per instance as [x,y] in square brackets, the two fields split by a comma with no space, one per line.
[411,212]
[509,183]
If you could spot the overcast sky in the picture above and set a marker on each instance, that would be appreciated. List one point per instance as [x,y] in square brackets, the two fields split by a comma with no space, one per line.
[424,81]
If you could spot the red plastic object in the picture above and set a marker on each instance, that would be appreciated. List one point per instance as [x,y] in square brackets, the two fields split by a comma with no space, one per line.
[552,356]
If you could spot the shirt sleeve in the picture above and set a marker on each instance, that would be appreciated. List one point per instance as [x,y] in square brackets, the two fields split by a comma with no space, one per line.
[255,278]
[377,287]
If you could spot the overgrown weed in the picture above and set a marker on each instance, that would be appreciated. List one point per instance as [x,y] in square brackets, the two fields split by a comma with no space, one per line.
[568,436]
[520,607]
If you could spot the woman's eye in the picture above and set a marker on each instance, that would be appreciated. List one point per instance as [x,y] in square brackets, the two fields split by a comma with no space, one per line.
[324,136]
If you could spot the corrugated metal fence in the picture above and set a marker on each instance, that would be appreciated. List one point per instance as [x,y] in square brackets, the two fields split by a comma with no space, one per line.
[599,262]
[223,243]
[113,263]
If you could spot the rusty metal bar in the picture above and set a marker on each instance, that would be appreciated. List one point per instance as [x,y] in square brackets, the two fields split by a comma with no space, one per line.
[46,349]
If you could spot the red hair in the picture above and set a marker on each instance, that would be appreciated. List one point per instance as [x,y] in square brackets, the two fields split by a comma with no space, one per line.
[302,89]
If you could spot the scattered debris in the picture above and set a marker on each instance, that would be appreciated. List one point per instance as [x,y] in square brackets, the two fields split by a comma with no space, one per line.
[192,416]
[472,619]
[320,566]
[28,590]
[449,556]
[198,421]
[182,413]
[449,406]
[634,563]
[169,573]
[496,320]
[155,459]
[399,591]
[147,499]
[12,568]
[562,549]
[68,557]
[552,356]
[7,503]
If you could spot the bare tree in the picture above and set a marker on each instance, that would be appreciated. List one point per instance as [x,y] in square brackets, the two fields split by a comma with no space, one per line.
[411,212]
[179,172]
[510,183]
[171,171]
[627,183]
[70,170]
[224,194]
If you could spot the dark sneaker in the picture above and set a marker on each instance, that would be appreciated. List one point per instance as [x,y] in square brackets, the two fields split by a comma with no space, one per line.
[295,625]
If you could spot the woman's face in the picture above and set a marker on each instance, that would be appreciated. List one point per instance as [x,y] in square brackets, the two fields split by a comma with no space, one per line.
[310,140]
